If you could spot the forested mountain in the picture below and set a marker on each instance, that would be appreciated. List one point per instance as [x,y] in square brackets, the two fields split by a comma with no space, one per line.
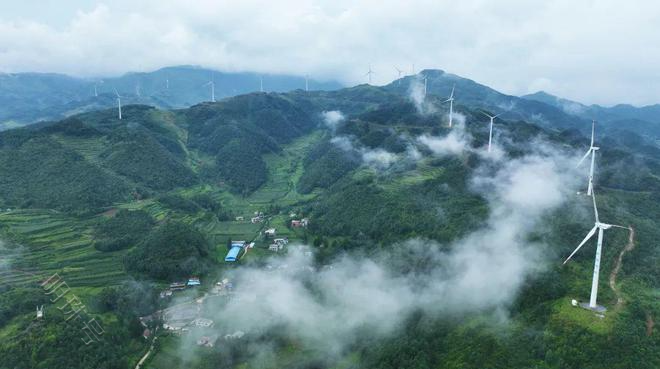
[29,97]
[426,250]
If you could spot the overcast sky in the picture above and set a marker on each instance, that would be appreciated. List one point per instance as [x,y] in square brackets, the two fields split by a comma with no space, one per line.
[601,51]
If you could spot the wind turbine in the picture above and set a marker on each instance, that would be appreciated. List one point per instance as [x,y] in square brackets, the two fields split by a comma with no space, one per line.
[137,89]
[261,84]
[96,94]
[306,82]
[118,103]
[490,134]
[412,69]
[399,71]
[425,86]
[369,73]
[600,227]
[450,100]
[592,150]
[212,84]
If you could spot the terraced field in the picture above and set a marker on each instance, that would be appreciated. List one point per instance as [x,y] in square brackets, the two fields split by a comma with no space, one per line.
[50,242]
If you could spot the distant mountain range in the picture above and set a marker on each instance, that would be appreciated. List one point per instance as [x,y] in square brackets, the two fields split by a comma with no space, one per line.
[30,97]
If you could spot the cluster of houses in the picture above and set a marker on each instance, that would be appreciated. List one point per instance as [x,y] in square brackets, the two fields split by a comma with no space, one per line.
[299,223]
[258,217]
[278,244]
[180,286]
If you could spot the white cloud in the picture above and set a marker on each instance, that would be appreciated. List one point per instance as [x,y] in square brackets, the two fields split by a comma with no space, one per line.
[332,118]
[527,45]
[482,271]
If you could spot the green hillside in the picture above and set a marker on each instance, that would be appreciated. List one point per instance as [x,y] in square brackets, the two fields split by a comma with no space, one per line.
[122,208]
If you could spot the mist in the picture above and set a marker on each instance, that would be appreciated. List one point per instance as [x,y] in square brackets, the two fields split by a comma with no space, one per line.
[324,306]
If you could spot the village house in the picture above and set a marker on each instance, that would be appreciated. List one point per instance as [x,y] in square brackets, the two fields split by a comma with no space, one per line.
[193,282]
[202,322]
[207,341]
[240,219]
[270,232]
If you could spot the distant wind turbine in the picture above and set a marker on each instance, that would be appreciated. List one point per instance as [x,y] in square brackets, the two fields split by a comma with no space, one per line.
[212,84]
[369,73]
[425,79]
[261,84]
[137,90]
[399,72]
[592,150]
[490,134]
[412,69]
[118,103]
[450,100]
[307,82]
[600,227]
[96,93]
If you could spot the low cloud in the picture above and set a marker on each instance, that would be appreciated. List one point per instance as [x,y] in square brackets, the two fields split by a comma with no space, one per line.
[418,97]
[456,142]
[332,119]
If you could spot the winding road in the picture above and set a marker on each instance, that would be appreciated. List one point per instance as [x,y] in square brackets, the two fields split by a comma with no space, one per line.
[617,267]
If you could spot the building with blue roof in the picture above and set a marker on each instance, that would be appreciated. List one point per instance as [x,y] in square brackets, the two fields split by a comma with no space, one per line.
[232,255]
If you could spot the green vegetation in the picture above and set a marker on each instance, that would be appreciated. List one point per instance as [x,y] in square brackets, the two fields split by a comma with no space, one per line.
[123,230]
[172,250]
[120,208]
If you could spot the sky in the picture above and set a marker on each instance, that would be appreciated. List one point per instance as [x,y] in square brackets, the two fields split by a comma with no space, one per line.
[604,51]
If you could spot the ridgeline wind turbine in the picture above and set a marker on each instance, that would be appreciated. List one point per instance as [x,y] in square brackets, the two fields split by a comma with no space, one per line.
[600,227]
[369,73]
[306,82]
[425,80]
[118,103]
[212,84]
[399,72]
[490,134]
[450,100]
[96,93]
[592,150]
[261,84]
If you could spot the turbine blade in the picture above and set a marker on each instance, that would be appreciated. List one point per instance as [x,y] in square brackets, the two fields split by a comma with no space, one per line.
[484,113]
[584,157]
[589,235]
[593,197]
[452,92]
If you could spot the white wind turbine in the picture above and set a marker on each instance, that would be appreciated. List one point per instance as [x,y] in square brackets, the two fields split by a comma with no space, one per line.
[592,150]
[490,134]
[212,84]
[261,84]
[600,227]
[399,72]
[307,82]
[450,100]
[118,103]
[425,79]
[96,93]
[369,73]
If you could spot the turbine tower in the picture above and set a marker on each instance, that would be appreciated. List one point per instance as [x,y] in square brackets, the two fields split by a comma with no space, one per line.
[450,100]
[425,79]
[592,150]
[118,103]
[490,134]
[261,84]
[399,72]
[307,82]
[600,227]
[369,73]
[212,84]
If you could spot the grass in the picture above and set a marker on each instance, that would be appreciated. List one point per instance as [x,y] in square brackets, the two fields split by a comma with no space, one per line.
[563,310]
